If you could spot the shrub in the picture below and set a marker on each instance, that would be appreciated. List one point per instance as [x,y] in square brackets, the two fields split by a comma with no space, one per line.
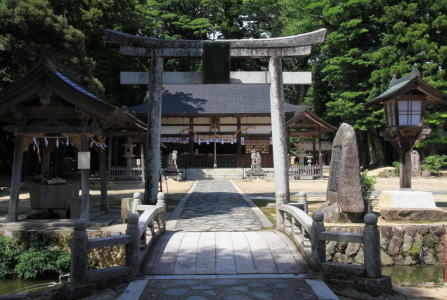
[434,163]
[41,262]
[367,184]
[9,251]
[396,165]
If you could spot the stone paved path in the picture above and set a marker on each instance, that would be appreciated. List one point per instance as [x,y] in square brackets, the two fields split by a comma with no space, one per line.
[229,289]
[215,205]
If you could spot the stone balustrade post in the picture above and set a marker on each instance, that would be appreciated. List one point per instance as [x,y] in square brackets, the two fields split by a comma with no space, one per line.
[302,199]
[371,247]
[318,255]
[162,203]
[79,253]
[133,248]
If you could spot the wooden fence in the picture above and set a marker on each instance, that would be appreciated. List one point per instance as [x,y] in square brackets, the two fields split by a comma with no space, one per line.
[125,172]
[305,172]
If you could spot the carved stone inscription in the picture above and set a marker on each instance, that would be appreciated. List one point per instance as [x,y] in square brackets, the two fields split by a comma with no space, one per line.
[335,168]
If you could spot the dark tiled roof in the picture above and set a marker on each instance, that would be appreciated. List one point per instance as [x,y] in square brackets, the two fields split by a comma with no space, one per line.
[411,81]
[207,99]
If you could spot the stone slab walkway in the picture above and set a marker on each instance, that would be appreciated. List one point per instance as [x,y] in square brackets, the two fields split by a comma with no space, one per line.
[256,252]
[228,289]
[215,205]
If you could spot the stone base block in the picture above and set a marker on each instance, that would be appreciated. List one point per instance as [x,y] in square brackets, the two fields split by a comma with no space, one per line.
[406,199]
[375,286]
[414,214]
[334,214]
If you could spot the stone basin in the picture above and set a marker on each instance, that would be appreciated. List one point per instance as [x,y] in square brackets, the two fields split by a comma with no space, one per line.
[55,196]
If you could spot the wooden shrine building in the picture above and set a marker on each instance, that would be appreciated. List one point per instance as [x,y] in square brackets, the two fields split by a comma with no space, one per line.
[234,119]
[53,118]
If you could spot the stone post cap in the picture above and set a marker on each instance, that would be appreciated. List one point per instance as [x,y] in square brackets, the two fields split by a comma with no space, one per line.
[137,195]
[80,225]
[370,219]
[318,216]
[161,196]
[132,219]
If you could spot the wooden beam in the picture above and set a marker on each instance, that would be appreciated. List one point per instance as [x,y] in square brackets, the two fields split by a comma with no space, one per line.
[16,177]
[258,77]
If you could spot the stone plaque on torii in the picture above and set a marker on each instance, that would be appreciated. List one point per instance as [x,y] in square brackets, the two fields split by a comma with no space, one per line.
[157,49]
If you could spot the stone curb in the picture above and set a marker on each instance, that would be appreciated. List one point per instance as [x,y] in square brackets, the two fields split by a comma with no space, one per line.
[264,220]
[135,290]
[173,218]
[321,290]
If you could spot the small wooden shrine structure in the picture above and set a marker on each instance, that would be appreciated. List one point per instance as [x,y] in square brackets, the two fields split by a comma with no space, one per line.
[308,125]
[51,115]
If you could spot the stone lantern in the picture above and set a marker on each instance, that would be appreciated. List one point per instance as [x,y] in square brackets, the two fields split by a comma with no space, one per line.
[405,103]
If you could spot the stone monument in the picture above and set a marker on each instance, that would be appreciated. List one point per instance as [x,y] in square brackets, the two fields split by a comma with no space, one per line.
[415,164]
[256,170]
[172,170]
[344,195]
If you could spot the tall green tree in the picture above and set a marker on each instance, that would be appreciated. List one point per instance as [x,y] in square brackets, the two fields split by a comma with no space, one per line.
[367,42]
[30,29]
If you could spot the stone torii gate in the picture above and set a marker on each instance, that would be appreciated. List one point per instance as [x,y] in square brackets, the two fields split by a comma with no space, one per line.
[274,48]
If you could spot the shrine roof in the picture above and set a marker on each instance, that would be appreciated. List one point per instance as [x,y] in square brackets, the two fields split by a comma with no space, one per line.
[48,78]
[405,84]
[216,99]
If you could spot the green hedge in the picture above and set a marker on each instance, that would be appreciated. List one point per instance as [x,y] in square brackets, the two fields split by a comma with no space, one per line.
[36,261]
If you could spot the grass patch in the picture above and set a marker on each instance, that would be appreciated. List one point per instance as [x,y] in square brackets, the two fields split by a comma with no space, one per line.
[269,212]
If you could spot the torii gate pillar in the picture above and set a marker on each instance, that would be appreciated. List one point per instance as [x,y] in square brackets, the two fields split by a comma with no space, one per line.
[153,159]
[279,136]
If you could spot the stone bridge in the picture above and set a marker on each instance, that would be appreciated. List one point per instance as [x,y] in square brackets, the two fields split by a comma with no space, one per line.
[219,245]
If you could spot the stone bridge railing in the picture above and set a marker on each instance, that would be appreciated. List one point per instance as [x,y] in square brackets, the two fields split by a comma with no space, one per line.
[310,235]
[135,240]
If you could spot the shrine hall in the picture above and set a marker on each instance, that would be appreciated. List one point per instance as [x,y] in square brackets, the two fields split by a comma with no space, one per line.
[218,125]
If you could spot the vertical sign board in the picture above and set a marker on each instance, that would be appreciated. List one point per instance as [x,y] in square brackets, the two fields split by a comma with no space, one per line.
[335,168]
[84,160]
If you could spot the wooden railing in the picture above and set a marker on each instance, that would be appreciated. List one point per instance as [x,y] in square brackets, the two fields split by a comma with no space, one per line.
[135,239]
[305,172]
[310,235]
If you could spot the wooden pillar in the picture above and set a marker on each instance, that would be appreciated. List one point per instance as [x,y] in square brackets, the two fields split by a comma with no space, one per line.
[115,152]
[191,141]
[103,179]
[405,169]
[238,143]
[16,177]
[45,164]
[143,179]
[279,136]
[85,188]
[109,157]
[320,158]
[314,150]
[153,96]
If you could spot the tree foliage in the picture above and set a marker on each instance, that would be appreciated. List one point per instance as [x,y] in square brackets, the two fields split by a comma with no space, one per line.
[367,42]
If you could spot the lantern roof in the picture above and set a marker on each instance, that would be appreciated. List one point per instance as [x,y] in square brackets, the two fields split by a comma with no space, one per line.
[407,84]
